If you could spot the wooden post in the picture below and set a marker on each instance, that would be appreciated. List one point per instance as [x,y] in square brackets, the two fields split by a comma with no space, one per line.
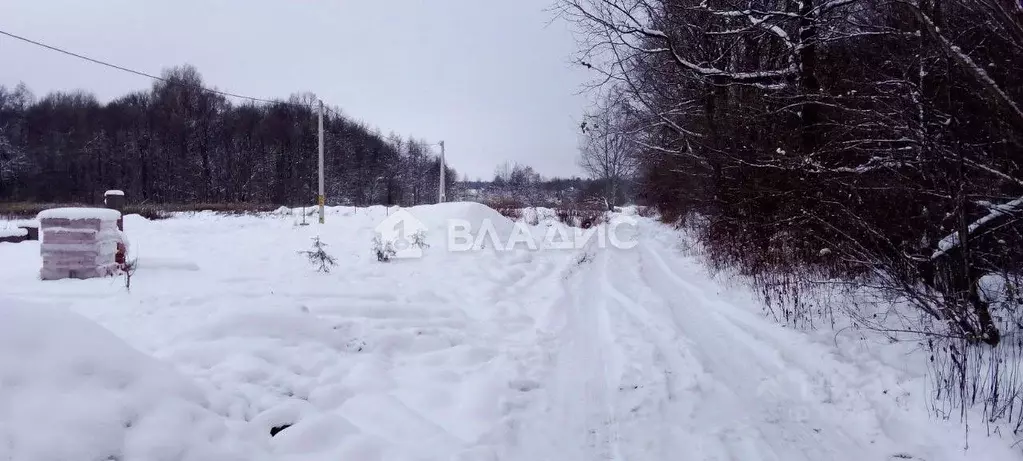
[114,199]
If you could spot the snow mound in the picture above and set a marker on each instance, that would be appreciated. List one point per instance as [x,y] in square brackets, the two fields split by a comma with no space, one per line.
[13,232]
[539,215]
[72,390]
[104,214]
[438,216]
[135,220]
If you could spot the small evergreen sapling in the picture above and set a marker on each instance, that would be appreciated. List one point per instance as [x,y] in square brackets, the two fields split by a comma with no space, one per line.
[419,240]
[318,256]
[383,250]
[128,269]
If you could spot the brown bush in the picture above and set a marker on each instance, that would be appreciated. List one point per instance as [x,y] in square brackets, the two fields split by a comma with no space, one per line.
[150,212]
[29,210]
[581,216]
[647,212]
[504,202]
[509,207]
[220,208]
[511,213]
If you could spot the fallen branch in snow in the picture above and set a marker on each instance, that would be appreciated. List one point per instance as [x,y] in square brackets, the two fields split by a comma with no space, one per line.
[952,240]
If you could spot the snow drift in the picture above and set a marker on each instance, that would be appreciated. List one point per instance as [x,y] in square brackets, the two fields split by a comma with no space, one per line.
[61,374]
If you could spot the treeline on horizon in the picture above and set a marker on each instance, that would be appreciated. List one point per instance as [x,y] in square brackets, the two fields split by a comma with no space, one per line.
[180,143]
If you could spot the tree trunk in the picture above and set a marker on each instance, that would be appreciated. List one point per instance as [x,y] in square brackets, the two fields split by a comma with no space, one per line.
[808,83]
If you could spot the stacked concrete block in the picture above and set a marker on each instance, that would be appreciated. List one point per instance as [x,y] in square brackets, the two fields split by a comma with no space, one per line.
[78,242]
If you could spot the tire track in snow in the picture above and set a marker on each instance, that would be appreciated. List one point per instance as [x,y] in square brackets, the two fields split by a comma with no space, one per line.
[652,364]
[676,368]
[775,392]
[689,414]
[576,419]
[633,369]
[525,271]
[603,361]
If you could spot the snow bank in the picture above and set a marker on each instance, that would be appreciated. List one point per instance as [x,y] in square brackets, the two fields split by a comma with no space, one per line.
[71,390]
[24,223]
[13,232]
[438,216]
[999,289]
[628,210]
[104,214]
[539,215]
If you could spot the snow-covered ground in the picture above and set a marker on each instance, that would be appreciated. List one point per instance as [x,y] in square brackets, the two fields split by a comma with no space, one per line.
[587,354]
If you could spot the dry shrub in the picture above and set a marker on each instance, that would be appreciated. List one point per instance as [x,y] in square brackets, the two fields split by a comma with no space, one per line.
[647,212]
[509,207]
[513,214]
[150,212]
[222,208]
[584,216]
[29,210]
[534,218]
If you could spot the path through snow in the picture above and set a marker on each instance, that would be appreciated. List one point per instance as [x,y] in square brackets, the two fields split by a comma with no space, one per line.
[654,363]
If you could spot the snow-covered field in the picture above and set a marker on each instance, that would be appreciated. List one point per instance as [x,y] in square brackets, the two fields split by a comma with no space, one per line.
[560,355]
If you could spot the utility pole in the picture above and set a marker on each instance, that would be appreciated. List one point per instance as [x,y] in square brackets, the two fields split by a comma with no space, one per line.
[320,199]
[440,195]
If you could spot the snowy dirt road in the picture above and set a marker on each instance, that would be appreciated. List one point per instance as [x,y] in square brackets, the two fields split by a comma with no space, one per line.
[590,354]
[655,362]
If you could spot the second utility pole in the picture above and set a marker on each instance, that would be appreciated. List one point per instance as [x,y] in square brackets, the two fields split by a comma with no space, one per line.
[440,194]
[320,199]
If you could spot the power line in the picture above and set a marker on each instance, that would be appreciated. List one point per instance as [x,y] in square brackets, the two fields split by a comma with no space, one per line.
[321,107]
[161,79]
[136,72]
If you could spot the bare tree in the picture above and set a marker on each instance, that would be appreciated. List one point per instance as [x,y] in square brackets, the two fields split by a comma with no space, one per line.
[608,153]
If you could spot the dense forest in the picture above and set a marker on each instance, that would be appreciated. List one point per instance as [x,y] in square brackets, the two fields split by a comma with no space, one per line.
[872,145]
[180,143]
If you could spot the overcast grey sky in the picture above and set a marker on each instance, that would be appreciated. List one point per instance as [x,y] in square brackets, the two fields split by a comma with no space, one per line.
[491,78]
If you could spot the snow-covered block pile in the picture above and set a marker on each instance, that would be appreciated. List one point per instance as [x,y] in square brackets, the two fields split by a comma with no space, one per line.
[71,390]
[78,242]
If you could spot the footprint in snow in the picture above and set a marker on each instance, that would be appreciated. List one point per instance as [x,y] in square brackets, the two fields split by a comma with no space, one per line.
[524,385]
